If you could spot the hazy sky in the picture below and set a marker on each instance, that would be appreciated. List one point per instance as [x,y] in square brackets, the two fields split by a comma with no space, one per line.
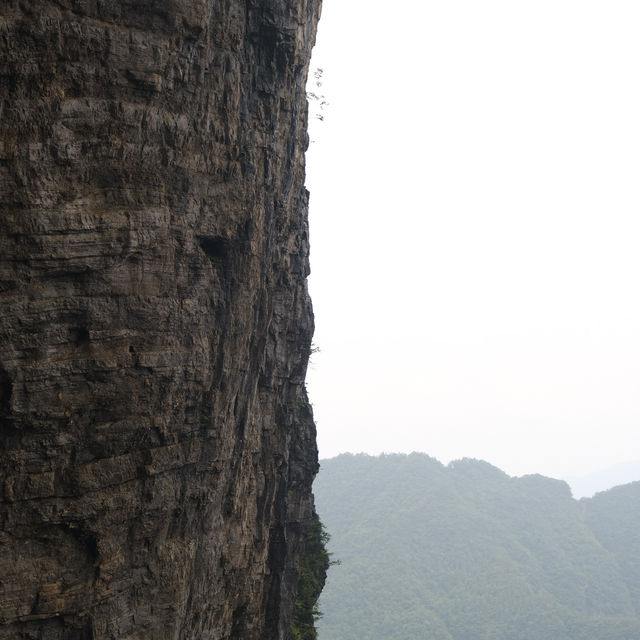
[475,229]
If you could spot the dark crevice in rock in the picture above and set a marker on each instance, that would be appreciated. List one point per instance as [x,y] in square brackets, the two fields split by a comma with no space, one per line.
[6,389]
[216,249]
[79,335]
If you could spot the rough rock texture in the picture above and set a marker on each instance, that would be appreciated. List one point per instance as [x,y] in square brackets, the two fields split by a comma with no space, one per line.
[156,443]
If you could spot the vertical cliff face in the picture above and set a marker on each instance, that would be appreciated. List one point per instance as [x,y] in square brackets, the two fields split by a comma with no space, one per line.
[157,446]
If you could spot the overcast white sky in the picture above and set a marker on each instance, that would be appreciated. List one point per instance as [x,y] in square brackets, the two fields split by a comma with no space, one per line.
[475,223]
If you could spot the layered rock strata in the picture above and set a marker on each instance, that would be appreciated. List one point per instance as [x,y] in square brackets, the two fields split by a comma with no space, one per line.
[156,443]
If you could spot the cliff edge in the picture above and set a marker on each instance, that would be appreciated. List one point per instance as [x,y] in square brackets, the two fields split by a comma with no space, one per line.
[156,443]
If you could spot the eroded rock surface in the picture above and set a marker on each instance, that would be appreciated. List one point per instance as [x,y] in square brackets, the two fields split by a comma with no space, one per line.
[156,443]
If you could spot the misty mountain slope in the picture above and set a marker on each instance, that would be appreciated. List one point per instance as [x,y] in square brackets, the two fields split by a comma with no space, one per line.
[614,517]
[464,552]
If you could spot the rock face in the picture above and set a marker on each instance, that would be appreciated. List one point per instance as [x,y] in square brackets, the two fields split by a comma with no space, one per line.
[156,443]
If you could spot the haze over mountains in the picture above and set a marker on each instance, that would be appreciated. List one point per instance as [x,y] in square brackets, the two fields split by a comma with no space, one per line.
[466,552]
[603,479]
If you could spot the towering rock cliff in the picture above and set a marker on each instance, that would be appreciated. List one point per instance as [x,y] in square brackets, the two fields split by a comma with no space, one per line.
[156,443]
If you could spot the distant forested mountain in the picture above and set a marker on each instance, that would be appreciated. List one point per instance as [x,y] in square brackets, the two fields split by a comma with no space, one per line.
[465,552]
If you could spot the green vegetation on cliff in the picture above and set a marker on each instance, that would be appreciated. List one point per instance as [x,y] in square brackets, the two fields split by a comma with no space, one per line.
[313,573]
[465,552]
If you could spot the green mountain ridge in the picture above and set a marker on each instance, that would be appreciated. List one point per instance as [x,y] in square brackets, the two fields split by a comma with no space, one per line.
[466,552]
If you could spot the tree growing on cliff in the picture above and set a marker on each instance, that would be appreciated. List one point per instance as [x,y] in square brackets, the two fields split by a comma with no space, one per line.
[313,572]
